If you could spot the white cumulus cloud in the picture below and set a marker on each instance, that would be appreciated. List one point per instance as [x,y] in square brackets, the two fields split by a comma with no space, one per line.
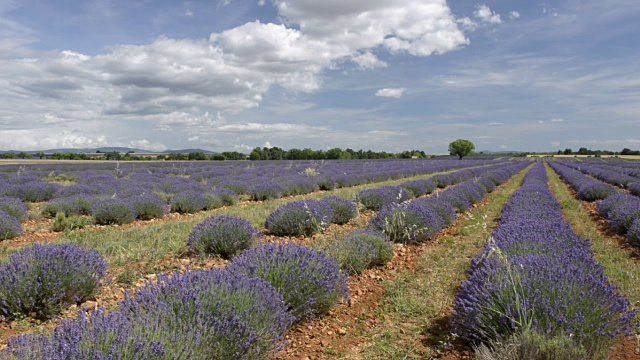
[486,15]
[391,92]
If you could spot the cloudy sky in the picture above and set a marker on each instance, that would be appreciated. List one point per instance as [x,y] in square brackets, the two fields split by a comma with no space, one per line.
[365,74]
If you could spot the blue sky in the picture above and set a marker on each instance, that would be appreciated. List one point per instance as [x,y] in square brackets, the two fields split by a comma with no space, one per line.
[366,74]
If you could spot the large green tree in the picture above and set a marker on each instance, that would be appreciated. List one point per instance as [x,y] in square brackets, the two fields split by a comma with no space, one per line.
[461,148]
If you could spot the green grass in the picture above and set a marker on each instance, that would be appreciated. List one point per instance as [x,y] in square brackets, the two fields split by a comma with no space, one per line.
[417,304]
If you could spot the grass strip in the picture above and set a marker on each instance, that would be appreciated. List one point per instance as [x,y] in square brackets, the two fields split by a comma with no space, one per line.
[416,308]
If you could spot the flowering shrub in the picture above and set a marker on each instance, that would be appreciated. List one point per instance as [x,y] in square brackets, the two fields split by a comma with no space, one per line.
[446,211]
[228,197]
[359,250]
[188,202]
[343,210]
[634,188]
[74,205]
[622,216]
[326,184]
[634,233]
[489,185]
[408,222]
[199,315]
[113,212]
[297,218]
[10,227]
[375,199]
[43,279]
[266,191]
[299,187]
[39,191]
[223,235]
[418,188]
[14,207]
[309,281]
[237,186]
[595,191]
[458,200]
[149,206]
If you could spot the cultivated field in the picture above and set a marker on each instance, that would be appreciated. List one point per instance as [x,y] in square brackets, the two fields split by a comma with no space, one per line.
[397,259]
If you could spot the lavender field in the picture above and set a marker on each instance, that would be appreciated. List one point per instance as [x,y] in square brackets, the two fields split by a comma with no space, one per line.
[96,257]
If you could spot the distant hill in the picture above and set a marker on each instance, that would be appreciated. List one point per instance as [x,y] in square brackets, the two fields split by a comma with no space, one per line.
[186,151]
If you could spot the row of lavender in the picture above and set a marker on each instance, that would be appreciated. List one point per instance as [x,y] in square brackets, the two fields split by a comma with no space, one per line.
[538,286]
[619,176]
[621,209]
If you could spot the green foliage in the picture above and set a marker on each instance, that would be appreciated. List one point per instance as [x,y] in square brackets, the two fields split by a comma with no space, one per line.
[461,148]
[62,222]
[532,346]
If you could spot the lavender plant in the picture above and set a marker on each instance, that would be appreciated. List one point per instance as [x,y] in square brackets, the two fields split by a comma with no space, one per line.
[375,199]
[14,207]
[266,191]
[228,197]
[222,235]
[43,279]
[446,211]
[408,222]
[73,205]
[309,281]
[634,188]
[297,218]
[10,227]
[149,206]
[418,188]
[343,210]
[113,211]
[188,202]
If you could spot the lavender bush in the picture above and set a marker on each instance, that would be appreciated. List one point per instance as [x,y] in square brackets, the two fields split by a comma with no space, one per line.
[10,227]
[14,207]
[113,212]
[188,202]
[408,222]
[595,191]
[375,199]
[343,210]
[228,197]
[634,188]
[634,232]
[446,211]
[418,188]
[359,250]
[297,218]
[73,205]
[309,281]
[266,191]
[43,279]
[199,315]
[222,235]
[149,206]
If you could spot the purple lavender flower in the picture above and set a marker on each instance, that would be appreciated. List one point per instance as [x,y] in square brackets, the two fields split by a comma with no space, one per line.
[10,227]
[43,279]
[408,222]
[224,235]
[309,281]
[343,210]
[14,207]
[113,211]
[188,202]
[297,218]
